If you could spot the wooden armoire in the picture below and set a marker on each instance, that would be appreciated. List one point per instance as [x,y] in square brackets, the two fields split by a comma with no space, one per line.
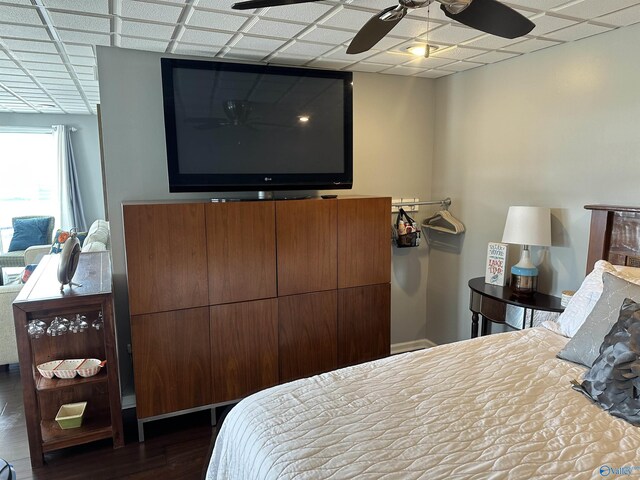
[230,298]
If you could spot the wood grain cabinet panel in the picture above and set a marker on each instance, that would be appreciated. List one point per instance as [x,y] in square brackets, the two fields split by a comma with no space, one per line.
[172,361]
[244,343]
[241,251]
[307,246]
[364,320]
[364,242]
[307,334]
[166,257]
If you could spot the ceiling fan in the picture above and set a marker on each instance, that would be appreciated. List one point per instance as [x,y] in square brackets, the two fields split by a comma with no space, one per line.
[488,16]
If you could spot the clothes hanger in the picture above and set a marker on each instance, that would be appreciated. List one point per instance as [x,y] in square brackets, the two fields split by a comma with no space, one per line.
[444,221]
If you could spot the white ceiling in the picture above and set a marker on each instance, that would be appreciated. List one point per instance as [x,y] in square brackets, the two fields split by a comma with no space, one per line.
[47,47]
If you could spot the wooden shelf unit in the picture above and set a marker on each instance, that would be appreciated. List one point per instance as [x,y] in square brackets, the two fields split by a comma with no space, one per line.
[230,298]
[42,299]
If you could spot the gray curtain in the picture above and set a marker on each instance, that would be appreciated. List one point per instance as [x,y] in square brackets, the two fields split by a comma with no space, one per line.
[72,212]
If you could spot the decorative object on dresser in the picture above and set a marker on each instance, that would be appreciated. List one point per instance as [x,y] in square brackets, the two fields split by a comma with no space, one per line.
[69,258]
[497,254]
[526,226]
[39,306]
[490,302]
[219,319]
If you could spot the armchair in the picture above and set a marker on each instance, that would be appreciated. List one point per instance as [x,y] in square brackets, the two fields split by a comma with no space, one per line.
[8,346]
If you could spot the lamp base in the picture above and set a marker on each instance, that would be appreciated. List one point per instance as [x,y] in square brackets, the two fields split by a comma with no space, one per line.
[523,285]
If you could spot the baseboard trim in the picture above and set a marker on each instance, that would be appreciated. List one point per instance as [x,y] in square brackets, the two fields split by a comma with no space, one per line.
[411,346]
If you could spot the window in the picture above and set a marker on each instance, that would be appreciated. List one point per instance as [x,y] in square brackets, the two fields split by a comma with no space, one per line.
[28,177]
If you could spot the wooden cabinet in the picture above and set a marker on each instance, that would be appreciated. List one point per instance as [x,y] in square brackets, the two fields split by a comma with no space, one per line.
[172,358]
[244,348]
[229,298]
[166,257]
[41,299]
[307,334]
[307,245]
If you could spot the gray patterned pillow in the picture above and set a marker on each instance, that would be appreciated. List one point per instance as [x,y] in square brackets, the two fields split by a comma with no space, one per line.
[614,380]
[584,347]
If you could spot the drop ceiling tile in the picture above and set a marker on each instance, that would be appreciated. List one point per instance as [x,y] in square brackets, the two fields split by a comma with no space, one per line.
[390,58]
[38,66]
[205,37]
[87,23]
[146,29]
[493,57]
[50,74]
[247,42]
[341,54]
[30,46]
[144,44]
[10,71]
[85,76]
[429,63]
[548,23]
[87,61]
[588,9]
[26,15]
[329,64]
[271,28]
[451,34]
[241,54]
[88,6]
[151,11]
[7,63]
[368,67]
[327,35]
[347,18]
[462,66]
[389,42]
[79,50]
[433,74]
[489,42]
[224,5]
[576,32]
[458,53]
[3,55]
[622,18]
[403,70]
[434,12]
[58,82]
[538,4]
[306,14]
[85,69]
[410,28]
[531,45]
[23,31]
[281,58]
[39,57]
[84,37]
[306,49]
[197,50]
[219,21]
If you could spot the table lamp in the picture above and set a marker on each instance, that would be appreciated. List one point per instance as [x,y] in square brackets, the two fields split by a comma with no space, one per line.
[526,226]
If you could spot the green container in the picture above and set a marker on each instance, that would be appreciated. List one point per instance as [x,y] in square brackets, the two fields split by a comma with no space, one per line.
[70,415]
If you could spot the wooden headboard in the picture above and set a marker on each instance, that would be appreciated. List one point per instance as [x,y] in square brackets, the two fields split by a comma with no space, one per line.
[614,235]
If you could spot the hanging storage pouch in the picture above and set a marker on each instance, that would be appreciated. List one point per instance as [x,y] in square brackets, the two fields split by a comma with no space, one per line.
[406,231]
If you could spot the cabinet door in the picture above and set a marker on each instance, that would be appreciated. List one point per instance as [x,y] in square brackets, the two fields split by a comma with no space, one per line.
[241,246]
[307,334]
[171,361]
[364,322]
[244,342]
[166,257]
[307,246]
[364,241]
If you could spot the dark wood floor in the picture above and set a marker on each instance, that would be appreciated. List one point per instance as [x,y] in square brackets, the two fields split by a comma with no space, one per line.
[174,448]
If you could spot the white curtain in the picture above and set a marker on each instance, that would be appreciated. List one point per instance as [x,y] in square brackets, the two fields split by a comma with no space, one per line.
[71,210]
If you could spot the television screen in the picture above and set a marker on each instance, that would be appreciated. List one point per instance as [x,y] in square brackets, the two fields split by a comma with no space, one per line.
[256,127]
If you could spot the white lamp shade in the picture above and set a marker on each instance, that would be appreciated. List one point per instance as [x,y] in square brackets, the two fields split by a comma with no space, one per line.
[528,226]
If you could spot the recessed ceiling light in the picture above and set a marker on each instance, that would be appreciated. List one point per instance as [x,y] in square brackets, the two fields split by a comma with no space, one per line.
[303,118]
[421,50]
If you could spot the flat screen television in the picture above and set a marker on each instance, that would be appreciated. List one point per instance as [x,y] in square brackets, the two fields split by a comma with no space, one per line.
[241,127]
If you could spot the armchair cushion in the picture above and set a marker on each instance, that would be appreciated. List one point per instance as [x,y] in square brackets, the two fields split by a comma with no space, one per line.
[30,231]
[61,236]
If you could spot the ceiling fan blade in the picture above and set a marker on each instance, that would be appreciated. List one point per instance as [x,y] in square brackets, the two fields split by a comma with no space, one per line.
[266,3]
[492,17]
[376,28]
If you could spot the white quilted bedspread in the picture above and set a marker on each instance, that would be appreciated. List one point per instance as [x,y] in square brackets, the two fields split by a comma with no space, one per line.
[494,407]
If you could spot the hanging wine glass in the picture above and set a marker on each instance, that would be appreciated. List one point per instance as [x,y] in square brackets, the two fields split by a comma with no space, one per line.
[82,323]
[74,326]
[98,323]
[36,328]
[52,330]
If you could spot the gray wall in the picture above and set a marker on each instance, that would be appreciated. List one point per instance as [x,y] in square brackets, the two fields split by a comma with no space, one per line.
[555,128]
[393,148]
[85,147]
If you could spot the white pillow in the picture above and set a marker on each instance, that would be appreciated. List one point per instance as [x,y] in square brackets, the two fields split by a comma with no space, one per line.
[583,301]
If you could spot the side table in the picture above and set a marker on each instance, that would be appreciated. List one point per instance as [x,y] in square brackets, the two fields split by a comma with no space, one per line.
[490,302]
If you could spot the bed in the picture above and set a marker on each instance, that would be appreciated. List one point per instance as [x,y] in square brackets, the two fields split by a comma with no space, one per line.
[499,406]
